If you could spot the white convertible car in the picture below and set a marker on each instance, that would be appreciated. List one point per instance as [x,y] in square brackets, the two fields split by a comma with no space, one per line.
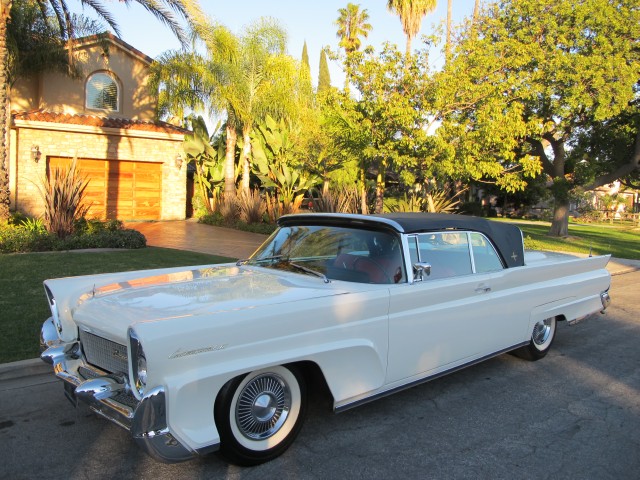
[220,357]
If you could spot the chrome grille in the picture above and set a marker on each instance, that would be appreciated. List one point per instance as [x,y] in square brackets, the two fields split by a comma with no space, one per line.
[105,354]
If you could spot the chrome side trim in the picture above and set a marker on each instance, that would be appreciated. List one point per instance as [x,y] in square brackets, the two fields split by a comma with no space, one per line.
[428,378]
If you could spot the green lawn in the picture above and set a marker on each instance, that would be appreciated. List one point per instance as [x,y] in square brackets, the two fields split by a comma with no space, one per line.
[23,304]
[619,241]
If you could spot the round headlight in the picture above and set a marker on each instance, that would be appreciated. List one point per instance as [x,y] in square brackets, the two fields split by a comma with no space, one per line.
[141,377]
[137,365]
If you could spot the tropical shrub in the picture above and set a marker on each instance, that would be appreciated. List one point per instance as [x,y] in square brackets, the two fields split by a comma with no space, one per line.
[63,200]
[214,218]
[338,200]
[252,207]
[206,153]
[228,209]
[276,165]
[436,201]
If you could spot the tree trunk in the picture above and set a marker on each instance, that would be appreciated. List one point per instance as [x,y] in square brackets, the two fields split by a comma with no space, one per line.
[363,192]
[380,187]
[560,224]
[447,47]
[246,159]
[5,197]
[230,163]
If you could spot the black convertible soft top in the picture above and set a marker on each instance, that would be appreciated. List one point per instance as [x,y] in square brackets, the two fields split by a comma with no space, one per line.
[506,237]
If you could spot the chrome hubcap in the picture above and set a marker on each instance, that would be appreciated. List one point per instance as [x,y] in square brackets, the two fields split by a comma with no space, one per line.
[263,406]
[542,331]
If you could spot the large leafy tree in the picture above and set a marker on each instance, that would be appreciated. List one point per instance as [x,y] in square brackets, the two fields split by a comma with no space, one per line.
[411,13]
[385,128]
[529,81]
[170,12]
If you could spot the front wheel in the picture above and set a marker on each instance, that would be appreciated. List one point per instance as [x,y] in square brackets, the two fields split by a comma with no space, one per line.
[542,337]
[259,415]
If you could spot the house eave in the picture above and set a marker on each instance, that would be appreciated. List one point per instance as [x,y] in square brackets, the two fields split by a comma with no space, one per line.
[90,129]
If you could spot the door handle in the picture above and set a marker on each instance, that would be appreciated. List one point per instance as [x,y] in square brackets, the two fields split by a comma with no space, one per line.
[483,289]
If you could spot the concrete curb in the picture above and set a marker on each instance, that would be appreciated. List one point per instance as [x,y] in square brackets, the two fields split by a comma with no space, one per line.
[24,368]
[619,266]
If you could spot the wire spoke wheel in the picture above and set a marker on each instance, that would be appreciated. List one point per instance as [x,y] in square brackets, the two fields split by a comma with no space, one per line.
[263,406]
[259,415]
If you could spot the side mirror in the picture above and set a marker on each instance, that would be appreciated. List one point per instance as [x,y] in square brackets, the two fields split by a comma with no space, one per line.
[420,269]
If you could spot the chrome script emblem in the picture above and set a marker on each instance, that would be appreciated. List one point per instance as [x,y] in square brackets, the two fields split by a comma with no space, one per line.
[179,353]
[119,355]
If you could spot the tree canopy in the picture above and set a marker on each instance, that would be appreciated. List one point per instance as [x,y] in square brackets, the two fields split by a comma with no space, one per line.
[529,81]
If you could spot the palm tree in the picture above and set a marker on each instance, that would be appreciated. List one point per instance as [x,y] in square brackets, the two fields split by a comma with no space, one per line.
[447,46]
[5,9]
[411,13]
[168,12]
[352,24]
[244,77]
[256,78]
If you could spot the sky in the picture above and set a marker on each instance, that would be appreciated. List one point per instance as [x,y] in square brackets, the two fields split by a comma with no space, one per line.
[304,20]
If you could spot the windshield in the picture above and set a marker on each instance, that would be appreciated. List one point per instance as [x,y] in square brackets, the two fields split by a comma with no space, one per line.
[339,253]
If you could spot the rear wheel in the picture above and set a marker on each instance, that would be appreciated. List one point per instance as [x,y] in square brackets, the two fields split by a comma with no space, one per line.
[259,415]
[542,337]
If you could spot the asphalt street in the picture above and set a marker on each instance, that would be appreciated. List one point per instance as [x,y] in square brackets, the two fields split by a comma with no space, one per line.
[573,415]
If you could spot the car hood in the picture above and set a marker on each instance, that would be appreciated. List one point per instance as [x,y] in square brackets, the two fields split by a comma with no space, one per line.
[108,310]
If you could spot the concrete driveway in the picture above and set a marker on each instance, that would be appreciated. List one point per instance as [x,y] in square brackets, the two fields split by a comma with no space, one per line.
[196,237]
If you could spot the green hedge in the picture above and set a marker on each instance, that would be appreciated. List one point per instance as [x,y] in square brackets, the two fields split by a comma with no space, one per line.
[22,239]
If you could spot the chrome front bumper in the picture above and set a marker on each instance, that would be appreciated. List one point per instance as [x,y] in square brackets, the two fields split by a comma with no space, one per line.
[110,396]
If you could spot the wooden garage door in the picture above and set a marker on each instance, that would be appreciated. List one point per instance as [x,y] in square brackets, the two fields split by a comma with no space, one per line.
[120,190]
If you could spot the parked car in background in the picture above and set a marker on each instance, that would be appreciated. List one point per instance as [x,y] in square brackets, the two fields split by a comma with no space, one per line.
[222,357]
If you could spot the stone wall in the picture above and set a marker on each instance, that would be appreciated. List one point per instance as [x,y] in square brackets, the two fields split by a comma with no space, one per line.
[84,142]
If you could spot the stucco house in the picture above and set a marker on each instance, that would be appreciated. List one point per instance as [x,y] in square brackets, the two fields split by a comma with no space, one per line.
[105,120]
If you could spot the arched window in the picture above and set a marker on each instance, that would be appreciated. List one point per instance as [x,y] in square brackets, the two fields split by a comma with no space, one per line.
[102,92]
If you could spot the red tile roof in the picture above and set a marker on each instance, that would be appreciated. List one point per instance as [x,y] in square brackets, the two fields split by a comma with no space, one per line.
[97,121]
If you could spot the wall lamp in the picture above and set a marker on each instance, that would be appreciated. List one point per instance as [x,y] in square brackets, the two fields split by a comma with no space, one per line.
[35,153]
[178,161]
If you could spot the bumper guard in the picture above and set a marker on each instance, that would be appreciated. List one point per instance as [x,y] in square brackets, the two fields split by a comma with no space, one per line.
[146,420]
